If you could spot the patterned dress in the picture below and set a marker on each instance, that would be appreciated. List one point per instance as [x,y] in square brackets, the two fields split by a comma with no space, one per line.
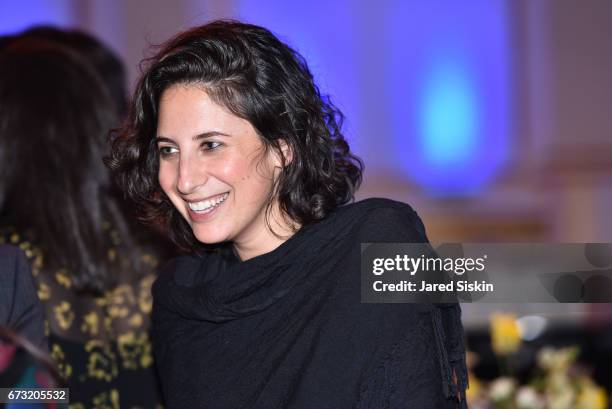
[100,343]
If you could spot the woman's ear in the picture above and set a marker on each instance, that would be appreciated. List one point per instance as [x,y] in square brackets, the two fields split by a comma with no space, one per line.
[287,153]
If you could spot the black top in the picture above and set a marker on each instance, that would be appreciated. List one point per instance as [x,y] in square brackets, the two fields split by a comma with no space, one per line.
[287,329]
[20,309]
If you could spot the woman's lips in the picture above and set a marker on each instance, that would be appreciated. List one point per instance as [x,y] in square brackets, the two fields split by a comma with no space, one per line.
[209,207]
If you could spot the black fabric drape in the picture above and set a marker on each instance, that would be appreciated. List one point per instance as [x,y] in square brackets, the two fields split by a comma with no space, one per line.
[287,329]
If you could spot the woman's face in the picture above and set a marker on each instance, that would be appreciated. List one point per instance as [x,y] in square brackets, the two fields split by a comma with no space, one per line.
[214,168]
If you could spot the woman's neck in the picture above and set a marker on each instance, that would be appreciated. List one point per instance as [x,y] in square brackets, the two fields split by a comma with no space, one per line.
[278,230]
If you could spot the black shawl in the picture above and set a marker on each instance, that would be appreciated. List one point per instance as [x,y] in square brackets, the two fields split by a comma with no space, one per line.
[287,329]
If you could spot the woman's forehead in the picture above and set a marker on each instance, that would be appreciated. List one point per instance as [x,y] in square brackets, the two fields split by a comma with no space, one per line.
[187,111]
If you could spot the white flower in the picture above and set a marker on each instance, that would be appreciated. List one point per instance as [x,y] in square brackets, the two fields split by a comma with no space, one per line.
[501,388]
[528,398]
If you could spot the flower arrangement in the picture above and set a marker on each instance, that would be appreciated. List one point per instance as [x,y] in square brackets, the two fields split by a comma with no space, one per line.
[556,383]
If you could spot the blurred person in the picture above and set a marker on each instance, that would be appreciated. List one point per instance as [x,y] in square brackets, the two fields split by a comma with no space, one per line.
[57,204]
[20,309]
[111,71]
[233,150]
[106,63]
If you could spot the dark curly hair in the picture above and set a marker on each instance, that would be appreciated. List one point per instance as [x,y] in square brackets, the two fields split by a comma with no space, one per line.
[246,69]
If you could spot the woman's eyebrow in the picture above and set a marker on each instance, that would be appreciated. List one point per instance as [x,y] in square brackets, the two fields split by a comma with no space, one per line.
[208,135]
[204,135]
[160,138]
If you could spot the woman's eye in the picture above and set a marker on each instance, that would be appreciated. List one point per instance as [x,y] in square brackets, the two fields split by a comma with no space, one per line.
[210,145]
[165,151]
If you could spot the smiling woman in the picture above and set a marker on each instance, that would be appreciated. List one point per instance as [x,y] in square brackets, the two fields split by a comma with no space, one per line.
[220,177]
[233,151]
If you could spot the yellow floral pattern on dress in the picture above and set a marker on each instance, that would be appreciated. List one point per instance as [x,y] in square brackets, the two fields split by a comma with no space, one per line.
[106,400]
[37,261]
[119,301]
[90,324]
[44,291]
[136,320]
[64,314]
[59,357]
[135,350]
[61,276]
[102,362]
[27,249]
[15,238]
[108,324]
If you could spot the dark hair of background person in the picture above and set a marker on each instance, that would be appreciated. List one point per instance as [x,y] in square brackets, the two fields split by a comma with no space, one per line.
[5,40]
[246,69]
[101,57]
[55,119]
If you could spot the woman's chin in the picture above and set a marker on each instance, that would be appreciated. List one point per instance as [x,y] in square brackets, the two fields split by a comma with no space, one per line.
[210,237]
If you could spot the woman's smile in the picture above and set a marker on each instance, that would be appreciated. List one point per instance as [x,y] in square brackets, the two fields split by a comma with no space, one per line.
[203,210]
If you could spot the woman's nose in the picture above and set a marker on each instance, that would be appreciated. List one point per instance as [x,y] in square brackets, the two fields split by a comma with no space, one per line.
[191,176]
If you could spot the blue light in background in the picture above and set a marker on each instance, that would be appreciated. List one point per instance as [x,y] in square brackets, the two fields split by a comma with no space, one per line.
[448,85]
[19,15]
[449,121]
[427,84]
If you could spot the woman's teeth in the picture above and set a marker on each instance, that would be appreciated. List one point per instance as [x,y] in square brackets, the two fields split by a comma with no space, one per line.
[207,205]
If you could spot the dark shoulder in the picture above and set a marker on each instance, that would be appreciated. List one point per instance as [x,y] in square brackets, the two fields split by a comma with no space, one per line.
[8,252]
[384,220]
[12,260]
[20,309]
[8,273]
[378,206]
[181,270]
[193,269]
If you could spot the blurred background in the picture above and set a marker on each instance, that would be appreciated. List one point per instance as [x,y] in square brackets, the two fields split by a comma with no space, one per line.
[493,119]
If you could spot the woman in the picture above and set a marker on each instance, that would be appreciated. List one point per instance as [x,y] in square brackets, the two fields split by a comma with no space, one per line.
[232,149]
[57,205]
